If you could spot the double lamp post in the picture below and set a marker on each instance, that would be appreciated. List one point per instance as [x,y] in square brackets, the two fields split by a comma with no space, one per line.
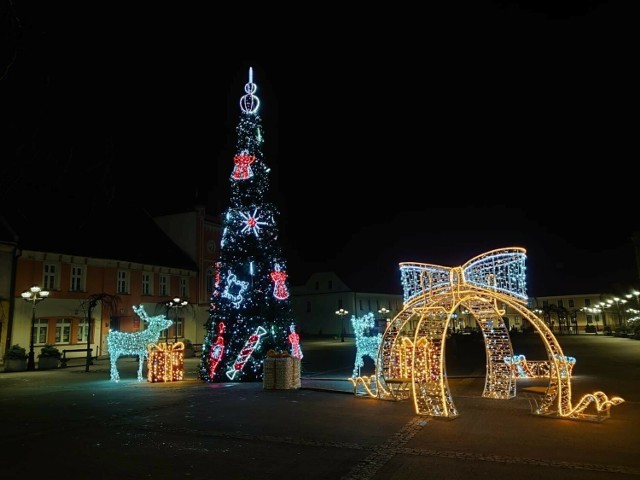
[176,303]
[34,295]
[341,313]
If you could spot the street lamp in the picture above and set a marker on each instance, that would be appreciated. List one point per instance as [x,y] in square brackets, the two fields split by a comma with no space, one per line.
[618,302]
[176,303]
[602,306]
[34,295]
[342,312]
[587,311]
[634,293]
[383,312]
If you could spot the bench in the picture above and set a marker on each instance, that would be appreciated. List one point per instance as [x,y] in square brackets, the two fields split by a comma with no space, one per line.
[64,359]
[400,388]
[534,396]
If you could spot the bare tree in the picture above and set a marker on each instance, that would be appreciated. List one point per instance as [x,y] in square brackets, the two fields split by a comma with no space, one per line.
[108,301]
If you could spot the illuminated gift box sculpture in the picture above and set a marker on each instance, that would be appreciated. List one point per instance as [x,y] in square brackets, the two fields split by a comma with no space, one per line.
[411,355]
[165,362]
[281,371]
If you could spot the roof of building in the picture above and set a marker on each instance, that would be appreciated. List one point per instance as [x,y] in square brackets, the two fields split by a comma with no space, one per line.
[110,231]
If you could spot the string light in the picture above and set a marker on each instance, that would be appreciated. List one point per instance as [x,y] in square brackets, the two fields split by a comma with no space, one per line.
[366,346]
[250,294]
[535,368]
[252,222]
[294,340]
[279,277]
[135,343]
[246,352]
[412,347]
[165,362]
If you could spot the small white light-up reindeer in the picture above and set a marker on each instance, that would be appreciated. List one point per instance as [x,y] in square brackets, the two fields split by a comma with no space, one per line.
[122,343]
[366,346]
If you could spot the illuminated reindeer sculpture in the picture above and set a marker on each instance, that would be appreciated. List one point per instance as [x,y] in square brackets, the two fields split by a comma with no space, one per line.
[366,346]
[122,343]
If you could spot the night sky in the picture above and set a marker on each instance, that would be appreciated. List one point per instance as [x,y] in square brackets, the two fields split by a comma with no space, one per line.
[392,135]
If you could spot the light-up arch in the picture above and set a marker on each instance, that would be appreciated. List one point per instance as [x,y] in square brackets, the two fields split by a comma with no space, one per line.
[412,351]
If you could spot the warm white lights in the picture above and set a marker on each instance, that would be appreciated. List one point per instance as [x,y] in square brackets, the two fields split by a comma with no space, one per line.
[410,360]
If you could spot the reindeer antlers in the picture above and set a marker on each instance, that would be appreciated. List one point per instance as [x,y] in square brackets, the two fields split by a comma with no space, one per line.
[141,312]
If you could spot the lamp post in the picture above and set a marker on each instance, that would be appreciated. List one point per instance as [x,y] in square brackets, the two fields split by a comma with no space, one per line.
[342,312]
[176,303]
[383,313]
[34,295]
[635,293]
[587,311]
[604,305]
[618,302]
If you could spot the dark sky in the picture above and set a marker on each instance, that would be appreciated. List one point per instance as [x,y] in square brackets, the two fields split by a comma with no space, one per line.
[393,135]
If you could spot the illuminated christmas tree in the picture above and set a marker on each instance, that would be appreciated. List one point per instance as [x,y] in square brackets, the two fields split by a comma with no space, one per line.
[250,306]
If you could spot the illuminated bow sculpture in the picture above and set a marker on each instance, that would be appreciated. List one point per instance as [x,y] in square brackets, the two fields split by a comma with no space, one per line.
[413,344]
[500,271]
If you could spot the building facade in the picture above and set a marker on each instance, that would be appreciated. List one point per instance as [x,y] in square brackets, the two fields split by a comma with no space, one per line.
[316,303]
[148,269]
[173,258]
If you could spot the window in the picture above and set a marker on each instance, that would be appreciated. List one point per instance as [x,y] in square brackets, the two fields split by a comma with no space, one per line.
[41,331]
[147,287]
[164,285]
[308,307]
[63,330]
[330,285]
[184,287]
[545,303]
[210,281]
[123,281]
[83,330]
[77,278]
[178,327]
[571,303]
[360,302]
[50,274]
[589,319]
[317,285]
[560,304]
[339,304]
[587,302]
